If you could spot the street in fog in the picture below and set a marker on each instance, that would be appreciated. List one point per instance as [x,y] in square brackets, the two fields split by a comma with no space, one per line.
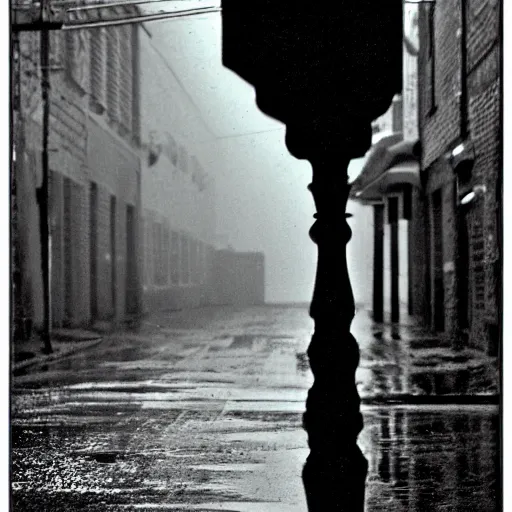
[201,410]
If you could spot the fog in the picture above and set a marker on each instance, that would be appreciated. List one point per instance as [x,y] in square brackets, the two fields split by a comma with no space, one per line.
[262,202]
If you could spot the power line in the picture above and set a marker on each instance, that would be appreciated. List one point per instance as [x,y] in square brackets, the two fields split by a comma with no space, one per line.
[120,3]
[75,3]
[138,19]
[247,134]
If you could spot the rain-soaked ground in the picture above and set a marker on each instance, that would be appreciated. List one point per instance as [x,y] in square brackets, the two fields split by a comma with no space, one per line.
[201,410]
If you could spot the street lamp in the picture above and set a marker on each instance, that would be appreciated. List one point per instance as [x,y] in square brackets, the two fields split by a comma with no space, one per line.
[477,192]
[326,74]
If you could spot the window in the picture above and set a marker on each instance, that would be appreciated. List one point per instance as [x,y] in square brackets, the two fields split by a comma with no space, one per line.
[125,78]
[194,261]
[185,259]
[148,251]
[175,258]
[182,159]
[201,268]
[77,58]
[158,255]
[165,255]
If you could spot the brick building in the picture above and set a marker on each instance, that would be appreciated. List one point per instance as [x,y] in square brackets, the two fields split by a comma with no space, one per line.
[177,190]
[459,122]
[453,208]
[94,176]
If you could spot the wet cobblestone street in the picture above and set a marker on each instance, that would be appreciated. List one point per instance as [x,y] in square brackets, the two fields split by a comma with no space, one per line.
[201,410]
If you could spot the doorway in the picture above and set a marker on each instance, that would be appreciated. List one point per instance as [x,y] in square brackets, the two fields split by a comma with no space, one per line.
[131,262]
[438,260]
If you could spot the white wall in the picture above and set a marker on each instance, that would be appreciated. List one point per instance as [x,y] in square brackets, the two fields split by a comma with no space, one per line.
[167,109]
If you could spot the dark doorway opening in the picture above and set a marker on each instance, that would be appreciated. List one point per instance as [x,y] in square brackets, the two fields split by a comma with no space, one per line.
[113,255]
[93,251]
[67,252]
[131,262]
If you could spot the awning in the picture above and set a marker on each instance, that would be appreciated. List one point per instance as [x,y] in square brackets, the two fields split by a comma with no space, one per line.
[391,163]
[405,173]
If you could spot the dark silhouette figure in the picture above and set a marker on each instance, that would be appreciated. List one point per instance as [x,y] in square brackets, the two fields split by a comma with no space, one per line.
[326,71]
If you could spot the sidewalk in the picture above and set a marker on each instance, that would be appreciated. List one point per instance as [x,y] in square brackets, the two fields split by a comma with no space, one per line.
[426,361]
[65,342]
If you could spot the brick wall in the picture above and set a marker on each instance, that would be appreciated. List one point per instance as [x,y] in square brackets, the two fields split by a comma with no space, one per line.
[440,127]
[484,110]
[483,28]
[449,235]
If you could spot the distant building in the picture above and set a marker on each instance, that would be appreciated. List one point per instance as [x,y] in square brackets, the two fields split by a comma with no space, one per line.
[238,278]
[94,177]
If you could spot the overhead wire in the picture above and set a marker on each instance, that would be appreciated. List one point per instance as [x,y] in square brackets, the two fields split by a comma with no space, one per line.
[137,19]
[106,3]
[120,3]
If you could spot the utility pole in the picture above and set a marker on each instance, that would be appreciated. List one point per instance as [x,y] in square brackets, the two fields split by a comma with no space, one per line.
[43,19]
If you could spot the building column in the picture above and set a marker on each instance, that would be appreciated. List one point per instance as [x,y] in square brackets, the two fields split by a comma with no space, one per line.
[394,258]
[378,263]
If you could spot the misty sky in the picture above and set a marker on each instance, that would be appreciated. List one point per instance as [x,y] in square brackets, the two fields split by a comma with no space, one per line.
[262,201]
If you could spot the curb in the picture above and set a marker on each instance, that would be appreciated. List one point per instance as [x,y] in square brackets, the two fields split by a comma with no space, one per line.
[60,354]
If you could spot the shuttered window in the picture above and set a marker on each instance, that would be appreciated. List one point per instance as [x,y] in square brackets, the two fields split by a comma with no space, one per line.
[99,70]
[125,78]
[113,73]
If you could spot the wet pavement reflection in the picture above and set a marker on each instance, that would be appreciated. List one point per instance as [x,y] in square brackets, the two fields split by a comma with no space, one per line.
[432,460]
[203,410]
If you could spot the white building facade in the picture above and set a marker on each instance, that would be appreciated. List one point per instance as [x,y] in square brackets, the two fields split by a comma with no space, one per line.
[177,190]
